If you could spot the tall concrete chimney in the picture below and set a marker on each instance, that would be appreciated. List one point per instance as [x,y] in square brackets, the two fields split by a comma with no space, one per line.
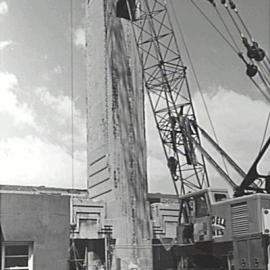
[116,132]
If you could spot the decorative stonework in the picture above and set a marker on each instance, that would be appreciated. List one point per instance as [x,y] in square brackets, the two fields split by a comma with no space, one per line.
[88,218]
[165,219]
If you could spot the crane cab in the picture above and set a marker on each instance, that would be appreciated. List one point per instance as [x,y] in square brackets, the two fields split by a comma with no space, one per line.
[232,231]
[196,215]
[211,215]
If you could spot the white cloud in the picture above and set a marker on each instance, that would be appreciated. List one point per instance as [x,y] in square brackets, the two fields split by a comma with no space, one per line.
[60,108]
[239,122]
[79,38]
[20,112]
[58,69]
[60,104]
[32,161]
[3,8]
[4,44]
[238,119]
[42,157]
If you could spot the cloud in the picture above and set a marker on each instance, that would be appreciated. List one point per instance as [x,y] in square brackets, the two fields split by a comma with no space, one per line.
[59,106]
[239,122]
[31,161]
[20,112]
[79,38]
[3,8]
[44,158]
[39,156]
[58,69]
[4,44]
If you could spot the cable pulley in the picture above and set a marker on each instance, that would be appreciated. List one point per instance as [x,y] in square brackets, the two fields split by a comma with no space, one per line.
[232,5]
[212,2]
[253,51]
[251,70]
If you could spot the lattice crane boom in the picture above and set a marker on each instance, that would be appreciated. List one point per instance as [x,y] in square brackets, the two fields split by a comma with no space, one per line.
[167,87]
[166,84]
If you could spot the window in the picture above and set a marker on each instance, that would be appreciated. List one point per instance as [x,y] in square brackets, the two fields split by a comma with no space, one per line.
[201,206]
[220,197]
[17,255]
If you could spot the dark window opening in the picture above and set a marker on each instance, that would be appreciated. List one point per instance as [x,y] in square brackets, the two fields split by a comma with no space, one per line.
[220,197]
[201,206]
[17,250]
[16,262]
[16,256]
[124,11]
[79,248]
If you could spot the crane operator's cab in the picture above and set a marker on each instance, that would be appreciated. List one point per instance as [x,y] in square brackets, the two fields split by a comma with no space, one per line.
[232,231]
[196,216]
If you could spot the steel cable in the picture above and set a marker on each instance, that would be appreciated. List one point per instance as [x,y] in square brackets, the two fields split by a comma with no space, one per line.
[265,131]
[240,54]
[227,29]
[197,81]
[72,92]
[234,21]
[213,25]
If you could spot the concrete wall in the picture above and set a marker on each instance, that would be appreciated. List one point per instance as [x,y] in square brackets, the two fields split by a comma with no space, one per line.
[116,132]
[41,219]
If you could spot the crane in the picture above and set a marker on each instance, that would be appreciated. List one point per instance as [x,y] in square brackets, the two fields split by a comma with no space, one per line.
[213,230]
[167,87]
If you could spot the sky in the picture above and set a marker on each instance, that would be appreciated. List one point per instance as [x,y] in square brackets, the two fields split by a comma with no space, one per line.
[35,91]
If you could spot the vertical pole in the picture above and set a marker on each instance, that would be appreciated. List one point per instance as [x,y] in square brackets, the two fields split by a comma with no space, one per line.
[229,262]
[106,252]
[90,261]
[268,253]
[85,262]
[3,257]
[118,264]
[74,254]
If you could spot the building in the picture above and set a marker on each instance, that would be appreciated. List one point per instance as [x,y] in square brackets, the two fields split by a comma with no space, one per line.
[50,228]
[34,230]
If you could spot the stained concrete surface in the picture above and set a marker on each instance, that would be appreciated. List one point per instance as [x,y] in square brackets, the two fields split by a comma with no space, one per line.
[41,219]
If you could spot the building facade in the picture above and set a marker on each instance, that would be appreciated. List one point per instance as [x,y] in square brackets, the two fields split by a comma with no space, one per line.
[50,228]
[34,231]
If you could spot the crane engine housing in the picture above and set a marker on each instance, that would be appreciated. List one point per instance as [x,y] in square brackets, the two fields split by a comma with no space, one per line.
[223,232]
